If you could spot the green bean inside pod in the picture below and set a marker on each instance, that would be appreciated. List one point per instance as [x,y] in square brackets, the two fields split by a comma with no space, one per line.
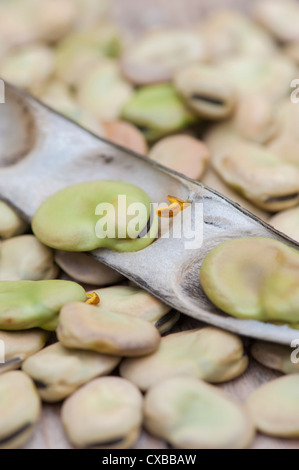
[97,214]
[253,278]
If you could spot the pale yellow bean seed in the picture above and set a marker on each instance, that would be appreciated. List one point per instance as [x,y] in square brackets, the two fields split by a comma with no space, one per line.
[57,371]
[190,414]
[106,413]
[90,328]
[274,407]
[208,353]
[19,409]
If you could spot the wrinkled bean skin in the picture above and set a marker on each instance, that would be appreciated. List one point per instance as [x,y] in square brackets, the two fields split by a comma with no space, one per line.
[104,414]
[84,326]
[274,407]
[253,278]
[31,304]
[73,227]
[196,415]
[58,371]
[208,353]
[19,409]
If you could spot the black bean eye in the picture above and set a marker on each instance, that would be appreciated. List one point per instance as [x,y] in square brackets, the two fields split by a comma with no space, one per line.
[144,129]
[105,443]
[15,434]
[207,99]
[286,197]
[165,319]
[147,228]
[40,384]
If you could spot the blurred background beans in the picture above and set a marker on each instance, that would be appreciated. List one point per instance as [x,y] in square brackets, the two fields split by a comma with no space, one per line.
[182,153]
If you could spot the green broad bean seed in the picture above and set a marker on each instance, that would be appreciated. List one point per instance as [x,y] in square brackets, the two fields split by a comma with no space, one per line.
[104,414]
[31,304]
[19,345]
[85,268]
[26,258]
[57,371]
[182,153]
[68,220]
[155,56]
[19,409]
[104,92]
[190,414]
[253,278]
[287,222]
[208,353]
[274,356]
[274,407]
[11,223]
[157,110]
[279,17]
[199,85]
[87,327]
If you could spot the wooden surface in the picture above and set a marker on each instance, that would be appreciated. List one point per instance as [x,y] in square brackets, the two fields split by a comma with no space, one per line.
[135,15]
